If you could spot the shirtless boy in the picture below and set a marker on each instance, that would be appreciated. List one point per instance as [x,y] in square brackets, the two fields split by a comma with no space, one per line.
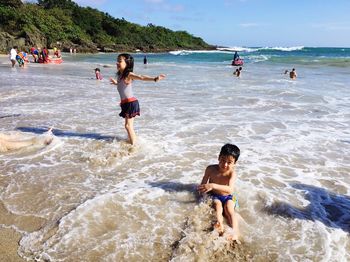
[219,181]
[293,74]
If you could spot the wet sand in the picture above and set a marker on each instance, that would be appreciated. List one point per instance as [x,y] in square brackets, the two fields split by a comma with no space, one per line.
[9,244]
[9,237]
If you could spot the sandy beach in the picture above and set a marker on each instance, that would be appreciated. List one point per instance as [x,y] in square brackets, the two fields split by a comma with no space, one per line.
[9,238]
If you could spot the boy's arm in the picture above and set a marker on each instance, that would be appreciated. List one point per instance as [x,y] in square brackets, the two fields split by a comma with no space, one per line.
[206,176]
[204,188]
[146,78]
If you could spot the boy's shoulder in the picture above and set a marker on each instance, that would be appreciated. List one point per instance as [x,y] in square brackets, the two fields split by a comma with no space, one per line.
[213,167]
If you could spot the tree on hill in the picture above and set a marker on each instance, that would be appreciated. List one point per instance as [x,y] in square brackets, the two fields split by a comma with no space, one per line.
[11,3]
[64,4]
[63,24]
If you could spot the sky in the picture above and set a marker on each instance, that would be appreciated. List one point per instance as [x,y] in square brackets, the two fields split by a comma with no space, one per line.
[251,23]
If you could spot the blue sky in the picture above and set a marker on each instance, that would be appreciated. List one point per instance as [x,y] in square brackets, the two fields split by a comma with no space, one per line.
[242,22]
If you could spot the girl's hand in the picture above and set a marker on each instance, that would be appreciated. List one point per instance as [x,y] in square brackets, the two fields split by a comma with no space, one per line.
[113,81]
[160,77]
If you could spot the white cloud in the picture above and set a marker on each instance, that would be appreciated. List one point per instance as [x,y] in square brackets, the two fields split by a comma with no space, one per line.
[332,26]
[249,25]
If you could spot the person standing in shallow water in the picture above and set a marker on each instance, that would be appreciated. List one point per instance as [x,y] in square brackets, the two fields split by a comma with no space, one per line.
[145,60]
[129,104]
[292,74]
[13,54]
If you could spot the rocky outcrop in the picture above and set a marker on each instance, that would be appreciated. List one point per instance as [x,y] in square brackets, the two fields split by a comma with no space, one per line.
[25,42]
[7,41]
[33,37]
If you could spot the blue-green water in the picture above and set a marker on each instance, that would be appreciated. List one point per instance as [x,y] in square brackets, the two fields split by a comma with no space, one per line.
[294,56]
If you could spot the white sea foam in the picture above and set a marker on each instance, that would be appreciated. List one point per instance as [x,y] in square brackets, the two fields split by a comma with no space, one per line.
[287,49]
[254,49]
[238,49]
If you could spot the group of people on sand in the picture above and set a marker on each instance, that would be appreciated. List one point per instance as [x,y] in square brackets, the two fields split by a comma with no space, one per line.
[39,56]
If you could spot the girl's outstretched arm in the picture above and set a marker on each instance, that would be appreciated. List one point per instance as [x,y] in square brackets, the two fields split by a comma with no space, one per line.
[113,81]
[146,78]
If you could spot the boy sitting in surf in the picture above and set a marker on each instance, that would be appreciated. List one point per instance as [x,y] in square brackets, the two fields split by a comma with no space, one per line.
[219,181]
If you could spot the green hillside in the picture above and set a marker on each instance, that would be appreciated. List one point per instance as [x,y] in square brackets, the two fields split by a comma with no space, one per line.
[64,24]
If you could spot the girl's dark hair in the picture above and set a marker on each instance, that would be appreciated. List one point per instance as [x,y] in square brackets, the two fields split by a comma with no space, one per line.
[230,150]
[129,60]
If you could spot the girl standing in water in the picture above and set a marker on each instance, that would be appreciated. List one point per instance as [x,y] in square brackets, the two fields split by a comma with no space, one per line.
[128,103]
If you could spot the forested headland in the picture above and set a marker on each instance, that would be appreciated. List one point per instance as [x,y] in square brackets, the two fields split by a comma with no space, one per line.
[64,24]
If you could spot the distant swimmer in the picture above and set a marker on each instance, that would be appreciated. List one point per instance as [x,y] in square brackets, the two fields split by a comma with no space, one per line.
[98,74]
[17,141]
[292,74]
[238,72]
[218,181]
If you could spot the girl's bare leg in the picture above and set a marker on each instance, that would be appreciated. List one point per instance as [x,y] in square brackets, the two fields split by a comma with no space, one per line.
[129,126]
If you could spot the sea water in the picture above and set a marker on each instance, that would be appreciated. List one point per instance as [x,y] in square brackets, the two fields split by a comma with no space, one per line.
[96,198]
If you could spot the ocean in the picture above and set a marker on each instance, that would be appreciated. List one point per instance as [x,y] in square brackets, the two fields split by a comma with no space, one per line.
[90,196]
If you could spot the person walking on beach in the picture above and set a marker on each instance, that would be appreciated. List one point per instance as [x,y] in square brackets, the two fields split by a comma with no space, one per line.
[218,181]
[13,54]
[129,104]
